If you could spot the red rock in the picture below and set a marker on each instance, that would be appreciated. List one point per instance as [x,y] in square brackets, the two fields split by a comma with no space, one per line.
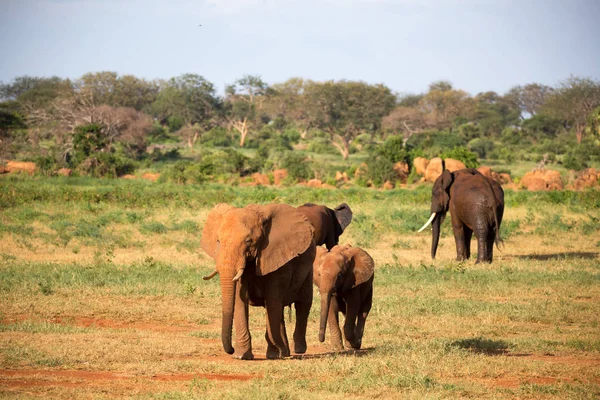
[420,164]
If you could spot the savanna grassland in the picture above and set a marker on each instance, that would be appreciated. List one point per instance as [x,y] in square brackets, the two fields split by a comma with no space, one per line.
[101,295]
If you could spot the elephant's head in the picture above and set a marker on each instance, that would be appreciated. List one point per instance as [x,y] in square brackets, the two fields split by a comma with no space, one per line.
[265,237]
[440,202]
[338,271]
[329,223]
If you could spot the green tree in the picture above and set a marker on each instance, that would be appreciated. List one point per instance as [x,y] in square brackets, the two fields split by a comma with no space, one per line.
[529,98]
[244,99]
[572,102]
[443,103]
[347,108]
[189,98]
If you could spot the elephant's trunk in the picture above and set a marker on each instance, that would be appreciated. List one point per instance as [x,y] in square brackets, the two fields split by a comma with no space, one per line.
[228,301]
[325,304]
[435,233]
[227,271]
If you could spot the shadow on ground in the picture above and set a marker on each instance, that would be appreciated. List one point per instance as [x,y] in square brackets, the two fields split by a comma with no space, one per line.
[482,346]
[351,352]
[588,255]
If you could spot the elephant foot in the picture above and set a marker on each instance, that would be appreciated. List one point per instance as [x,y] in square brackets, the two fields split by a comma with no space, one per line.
[357,344]
[243,355]
[299,347]
[274,353]
[337,346]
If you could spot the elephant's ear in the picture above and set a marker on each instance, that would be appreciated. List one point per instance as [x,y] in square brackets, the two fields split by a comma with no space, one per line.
[362,265]
[343,215]
[321,251]
[288,233]
[447,179]
[210,241]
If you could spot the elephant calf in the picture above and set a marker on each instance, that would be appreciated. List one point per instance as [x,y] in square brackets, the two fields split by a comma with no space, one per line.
[344,277]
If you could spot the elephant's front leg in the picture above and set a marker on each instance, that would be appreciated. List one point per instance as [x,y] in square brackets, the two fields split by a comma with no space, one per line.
[277,342]
[352,307]
[243,348]
[334,325]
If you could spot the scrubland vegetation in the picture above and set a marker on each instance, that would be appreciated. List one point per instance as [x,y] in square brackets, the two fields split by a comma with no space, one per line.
[106,125]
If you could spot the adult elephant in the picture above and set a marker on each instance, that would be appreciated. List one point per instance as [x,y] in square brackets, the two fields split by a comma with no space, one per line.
[476,205]
[264,256]
[329,224]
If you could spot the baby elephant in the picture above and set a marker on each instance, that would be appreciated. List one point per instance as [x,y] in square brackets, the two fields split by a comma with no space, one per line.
[344,277]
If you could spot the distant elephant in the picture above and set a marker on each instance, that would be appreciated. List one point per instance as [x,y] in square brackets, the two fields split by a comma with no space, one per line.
[264,256]
[476,205]
[345,274]
[329,224]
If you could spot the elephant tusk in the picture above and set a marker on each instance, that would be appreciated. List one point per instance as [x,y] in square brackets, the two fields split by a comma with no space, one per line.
[212,275]
[238,275]
[428,222]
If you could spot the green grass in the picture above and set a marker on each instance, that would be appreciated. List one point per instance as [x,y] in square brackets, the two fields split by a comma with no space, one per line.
[125,257]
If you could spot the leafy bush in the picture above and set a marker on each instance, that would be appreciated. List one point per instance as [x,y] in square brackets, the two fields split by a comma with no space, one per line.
[296,164]
[160,134]
[291,135]
[321,146]
[175,123]
[541,126]
[433,143]
[379,170]
[216,137]
[515,136]
[393,149]
[481,146]
[462,154]
[576,159]
[108,165]
[469,131]
[45,164]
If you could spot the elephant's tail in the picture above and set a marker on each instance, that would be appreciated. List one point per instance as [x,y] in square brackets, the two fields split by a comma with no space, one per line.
[498,240]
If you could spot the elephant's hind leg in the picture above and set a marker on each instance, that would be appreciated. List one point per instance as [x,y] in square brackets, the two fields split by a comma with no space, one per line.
[302,306]
[490,246]
[302,312]
[468,235]
[458,229]
[362,319]
[482,247]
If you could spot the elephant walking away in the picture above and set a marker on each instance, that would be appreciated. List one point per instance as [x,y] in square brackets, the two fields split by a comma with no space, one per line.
[264,256]
[344,277]
[329,224]
[476,205]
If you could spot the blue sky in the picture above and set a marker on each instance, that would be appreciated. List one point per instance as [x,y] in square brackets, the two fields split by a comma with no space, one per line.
[477,45]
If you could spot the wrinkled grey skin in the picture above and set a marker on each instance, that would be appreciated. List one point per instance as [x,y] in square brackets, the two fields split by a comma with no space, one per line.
[476,205]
